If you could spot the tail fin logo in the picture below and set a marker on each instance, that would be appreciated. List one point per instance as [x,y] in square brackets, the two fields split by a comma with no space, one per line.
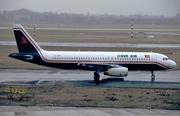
[23,41]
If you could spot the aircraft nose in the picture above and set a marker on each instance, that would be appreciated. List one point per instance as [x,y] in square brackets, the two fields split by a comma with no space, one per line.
[172,64]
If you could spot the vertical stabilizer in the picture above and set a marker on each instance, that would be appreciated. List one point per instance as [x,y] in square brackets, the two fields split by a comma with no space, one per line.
[25,42]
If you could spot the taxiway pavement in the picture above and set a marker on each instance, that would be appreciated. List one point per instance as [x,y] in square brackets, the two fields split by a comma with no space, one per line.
[84,44]
[73,111]
[164,79]
[99,29]
[73,75]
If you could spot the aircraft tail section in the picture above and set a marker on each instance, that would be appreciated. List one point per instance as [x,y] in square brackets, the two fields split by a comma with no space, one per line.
[29,50]
[25,42]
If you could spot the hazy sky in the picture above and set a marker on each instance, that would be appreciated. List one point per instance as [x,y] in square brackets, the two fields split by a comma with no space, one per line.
[124,7]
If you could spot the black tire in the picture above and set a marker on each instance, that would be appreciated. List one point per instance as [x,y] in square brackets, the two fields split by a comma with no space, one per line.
[153,78]
[96,78]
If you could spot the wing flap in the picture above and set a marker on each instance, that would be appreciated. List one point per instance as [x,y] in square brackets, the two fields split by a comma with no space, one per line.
[98,65]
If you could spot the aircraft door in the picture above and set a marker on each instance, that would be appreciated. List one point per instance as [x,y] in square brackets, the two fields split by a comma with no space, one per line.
[154,58]
[110,59]
[44,54]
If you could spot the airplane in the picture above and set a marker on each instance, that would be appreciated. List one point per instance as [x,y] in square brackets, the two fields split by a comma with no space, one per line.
[115,64]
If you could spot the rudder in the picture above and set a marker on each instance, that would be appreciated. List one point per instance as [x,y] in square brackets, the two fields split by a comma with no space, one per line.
[25,42]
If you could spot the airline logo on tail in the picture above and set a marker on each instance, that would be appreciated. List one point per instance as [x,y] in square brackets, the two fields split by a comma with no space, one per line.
[23,41]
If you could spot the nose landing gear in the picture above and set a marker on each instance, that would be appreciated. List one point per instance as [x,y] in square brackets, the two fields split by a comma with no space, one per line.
[152,76]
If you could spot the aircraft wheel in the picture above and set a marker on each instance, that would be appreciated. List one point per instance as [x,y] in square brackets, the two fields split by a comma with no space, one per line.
[96,78]
[153,78]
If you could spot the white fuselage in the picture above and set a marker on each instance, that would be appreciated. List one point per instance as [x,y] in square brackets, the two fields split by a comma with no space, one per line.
[117,58]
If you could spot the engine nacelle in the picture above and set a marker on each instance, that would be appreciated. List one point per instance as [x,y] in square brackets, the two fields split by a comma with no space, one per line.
[117,72]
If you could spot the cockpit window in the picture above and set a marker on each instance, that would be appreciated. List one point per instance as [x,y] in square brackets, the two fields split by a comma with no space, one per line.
[165,58]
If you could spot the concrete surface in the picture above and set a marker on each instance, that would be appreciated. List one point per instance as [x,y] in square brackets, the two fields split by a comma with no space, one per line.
[73,111]
[164,79]
[83,44]
[64,75]
[102,29]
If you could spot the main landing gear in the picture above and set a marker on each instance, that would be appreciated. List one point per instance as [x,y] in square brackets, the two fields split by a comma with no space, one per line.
[152,76]
[96,77]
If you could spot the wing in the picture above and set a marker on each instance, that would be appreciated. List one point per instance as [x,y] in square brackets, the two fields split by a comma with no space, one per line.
[99,65]
[108,68]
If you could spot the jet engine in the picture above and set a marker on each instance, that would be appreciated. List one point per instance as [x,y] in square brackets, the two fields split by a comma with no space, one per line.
[117,72]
